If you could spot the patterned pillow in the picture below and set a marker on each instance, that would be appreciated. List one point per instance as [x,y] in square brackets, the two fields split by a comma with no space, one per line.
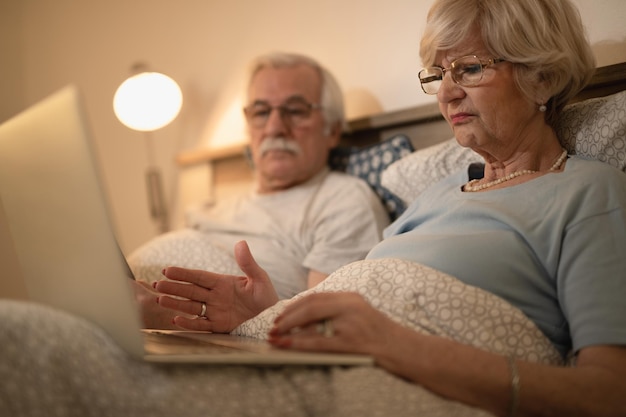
[369,162]
[187,248]
[410,176]
[594,128]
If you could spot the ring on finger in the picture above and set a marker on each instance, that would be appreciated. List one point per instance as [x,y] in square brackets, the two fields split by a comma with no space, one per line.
[325,328]
[202,314]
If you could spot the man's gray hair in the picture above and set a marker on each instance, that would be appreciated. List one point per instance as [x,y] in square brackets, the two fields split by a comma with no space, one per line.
[331,98]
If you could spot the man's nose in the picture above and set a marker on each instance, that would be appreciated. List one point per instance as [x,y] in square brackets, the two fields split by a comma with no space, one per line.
[276,124]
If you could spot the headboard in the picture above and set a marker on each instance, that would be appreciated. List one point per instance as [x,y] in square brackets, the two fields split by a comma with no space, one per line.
[423,124]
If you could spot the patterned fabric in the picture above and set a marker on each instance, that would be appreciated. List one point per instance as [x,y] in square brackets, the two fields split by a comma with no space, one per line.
[431,302]
[59,365]
[368,163]
[410,176]
[186,247]
[596,129]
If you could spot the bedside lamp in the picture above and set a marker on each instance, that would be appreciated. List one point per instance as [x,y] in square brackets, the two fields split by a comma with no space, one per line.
[145,102]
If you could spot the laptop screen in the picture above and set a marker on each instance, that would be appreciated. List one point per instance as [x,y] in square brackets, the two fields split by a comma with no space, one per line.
[56,213]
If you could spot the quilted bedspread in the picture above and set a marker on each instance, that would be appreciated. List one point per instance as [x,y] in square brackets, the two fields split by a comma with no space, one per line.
[56,364]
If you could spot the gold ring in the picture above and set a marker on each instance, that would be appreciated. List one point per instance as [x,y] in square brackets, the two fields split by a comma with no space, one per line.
[203,312]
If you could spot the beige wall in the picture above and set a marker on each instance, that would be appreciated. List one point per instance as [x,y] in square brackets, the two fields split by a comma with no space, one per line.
[371,46]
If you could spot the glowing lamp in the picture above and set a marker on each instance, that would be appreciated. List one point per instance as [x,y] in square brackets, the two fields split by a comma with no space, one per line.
[145,102]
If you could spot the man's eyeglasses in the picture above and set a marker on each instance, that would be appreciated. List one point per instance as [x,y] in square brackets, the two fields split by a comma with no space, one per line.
[466,71]
[294,113]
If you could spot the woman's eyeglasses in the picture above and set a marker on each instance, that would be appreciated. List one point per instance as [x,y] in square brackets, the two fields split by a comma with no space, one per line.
[466,71]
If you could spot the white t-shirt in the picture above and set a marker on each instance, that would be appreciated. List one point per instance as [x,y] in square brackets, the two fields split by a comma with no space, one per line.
[327,222]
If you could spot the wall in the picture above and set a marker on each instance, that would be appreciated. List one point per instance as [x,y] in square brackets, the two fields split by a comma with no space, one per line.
[370,45]
[10,59]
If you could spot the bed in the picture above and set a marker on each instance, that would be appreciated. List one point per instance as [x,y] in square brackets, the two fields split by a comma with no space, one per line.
[59,365]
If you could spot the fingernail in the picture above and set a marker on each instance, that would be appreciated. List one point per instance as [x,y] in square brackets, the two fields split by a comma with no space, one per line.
[154,284]
[157,300]
[163,271]
[281,342]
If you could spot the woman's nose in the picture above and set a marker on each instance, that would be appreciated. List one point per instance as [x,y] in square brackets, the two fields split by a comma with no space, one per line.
[449,90]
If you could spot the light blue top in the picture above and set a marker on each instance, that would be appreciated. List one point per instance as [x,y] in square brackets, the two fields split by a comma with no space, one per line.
[555,247]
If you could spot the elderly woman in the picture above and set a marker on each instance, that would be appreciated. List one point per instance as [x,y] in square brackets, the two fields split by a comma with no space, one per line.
[541,229]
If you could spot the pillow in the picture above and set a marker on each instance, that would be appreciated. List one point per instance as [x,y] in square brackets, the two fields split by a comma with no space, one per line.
[594,128]
[411,175]
[186,248]
[368,163]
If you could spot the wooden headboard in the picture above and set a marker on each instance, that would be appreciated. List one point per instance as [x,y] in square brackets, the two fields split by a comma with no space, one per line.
[423,124]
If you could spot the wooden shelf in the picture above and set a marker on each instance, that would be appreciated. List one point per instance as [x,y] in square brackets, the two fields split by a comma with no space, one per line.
[204,155]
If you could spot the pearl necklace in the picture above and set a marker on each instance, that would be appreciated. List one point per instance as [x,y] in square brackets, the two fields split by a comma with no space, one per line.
[470,187]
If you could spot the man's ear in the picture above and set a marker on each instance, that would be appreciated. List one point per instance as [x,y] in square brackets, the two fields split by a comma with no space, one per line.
[335,135]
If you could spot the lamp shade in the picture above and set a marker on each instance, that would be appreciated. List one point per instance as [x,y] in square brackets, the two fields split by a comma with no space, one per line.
[147,101]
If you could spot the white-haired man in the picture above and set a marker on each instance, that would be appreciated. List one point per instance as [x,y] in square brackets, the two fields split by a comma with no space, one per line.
[301,221]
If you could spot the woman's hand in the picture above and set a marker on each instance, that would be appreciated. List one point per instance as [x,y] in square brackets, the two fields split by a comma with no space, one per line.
[229,300]
[332,322]
[595,386]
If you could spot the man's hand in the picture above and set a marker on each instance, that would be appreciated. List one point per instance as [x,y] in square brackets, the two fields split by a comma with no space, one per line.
[230,300]
[153,315]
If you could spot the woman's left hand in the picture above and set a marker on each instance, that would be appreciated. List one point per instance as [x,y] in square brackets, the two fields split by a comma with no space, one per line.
[332,322]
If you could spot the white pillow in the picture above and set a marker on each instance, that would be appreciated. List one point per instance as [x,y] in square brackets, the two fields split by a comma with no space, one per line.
[411,175]
[593,128]
[596,129]
[186,248]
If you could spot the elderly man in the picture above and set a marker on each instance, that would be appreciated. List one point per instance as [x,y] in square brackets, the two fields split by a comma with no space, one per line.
[301,221]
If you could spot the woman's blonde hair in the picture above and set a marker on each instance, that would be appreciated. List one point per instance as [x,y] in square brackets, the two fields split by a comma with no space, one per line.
[544,39]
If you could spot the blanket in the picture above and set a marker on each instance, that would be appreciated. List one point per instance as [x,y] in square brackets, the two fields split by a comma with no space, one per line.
[432,302]
[56,364]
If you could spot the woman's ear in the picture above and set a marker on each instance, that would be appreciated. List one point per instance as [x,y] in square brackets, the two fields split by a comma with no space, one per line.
[543,89]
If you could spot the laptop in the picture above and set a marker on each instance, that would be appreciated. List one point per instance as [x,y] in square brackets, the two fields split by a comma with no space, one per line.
[55,211]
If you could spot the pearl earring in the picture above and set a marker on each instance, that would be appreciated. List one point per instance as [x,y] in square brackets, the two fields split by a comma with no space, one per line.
[542,108]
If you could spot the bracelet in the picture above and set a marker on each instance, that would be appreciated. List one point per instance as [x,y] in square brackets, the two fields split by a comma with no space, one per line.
[515,386]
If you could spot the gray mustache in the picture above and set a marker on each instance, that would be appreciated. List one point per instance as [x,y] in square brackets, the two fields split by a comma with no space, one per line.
[280,144]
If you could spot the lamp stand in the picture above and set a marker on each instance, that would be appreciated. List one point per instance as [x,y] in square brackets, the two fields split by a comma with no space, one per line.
[154,185]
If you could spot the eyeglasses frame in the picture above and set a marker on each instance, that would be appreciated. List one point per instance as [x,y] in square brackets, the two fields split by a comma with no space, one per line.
[483,64]
[282,110]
